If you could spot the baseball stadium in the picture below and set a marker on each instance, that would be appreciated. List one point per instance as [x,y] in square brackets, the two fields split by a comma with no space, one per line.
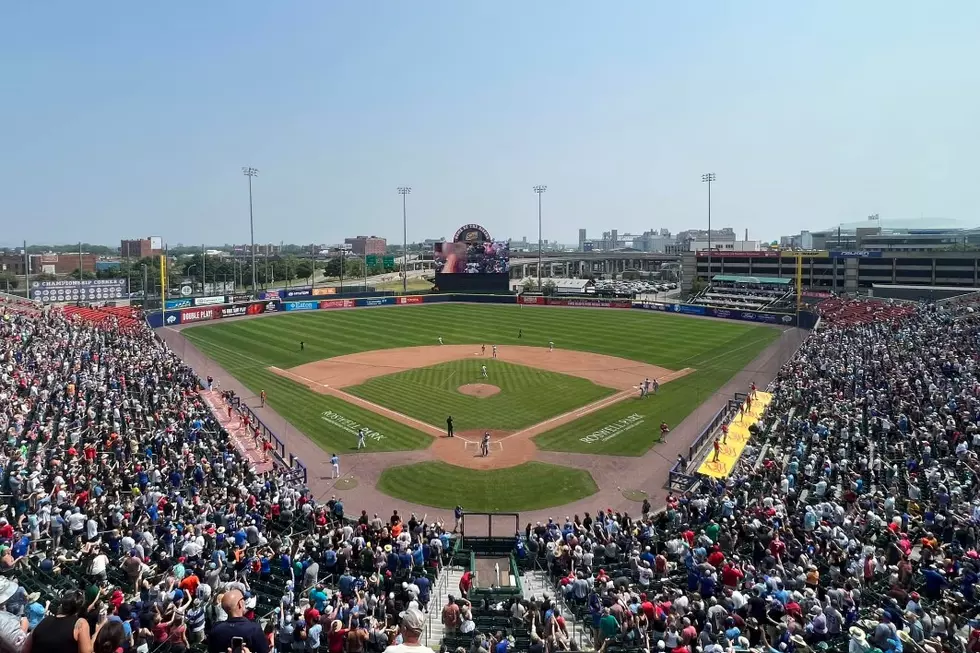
[493,401]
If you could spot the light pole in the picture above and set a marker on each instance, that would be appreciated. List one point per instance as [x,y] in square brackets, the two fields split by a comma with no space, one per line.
[251,172]
[539,190]
[707,178]
[404,191]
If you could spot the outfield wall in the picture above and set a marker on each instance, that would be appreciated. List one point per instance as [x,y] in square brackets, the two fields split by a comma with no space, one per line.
[196,314]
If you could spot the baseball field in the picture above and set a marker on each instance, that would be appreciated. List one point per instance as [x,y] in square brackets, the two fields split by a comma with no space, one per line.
[563,380]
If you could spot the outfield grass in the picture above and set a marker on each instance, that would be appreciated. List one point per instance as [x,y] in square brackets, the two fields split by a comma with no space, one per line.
[530,486]
[527,395]
[716,349]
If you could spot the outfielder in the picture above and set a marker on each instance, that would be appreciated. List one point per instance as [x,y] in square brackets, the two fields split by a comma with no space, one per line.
[360,439]
[483,369]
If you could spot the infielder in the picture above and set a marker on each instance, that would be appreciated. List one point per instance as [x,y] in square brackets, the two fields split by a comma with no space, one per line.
[360,439]
[335,463]
[483,349]
[485,445]
[440,340]
[551,346]
[483,369]
[495,351]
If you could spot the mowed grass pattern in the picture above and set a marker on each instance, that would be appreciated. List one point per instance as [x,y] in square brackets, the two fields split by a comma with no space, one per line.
[529,486]
[716,349]
[527,395]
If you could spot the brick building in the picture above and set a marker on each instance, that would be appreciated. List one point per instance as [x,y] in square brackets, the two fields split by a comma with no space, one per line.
[60,264]
[141,247]
[365,245]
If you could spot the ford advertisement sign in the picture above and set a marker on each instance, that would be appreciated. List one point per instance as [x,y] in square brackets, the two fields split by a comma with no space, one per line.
[300,306]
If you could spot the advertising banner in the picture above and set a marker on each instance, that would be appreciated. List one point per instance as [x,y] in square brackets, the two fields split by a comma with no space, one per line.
[765,254]
[856,254]
[411,299]
[533,299]
[376,301]
[653,306]
[175,304]
[300,306]
[593,303]
[689,309]
[92,290]
[338,303]
[325,290]
[209,301]
[173,319]
[240,297]
[302,291]
[189,315]
[269,294]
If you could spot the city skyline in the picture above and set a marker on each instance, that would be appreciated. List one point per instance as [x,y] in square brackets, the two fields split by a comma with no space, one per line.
[138,119]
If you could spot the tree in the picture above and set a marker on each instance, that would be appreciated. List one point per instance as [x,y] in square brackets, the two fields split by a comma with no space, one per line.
[548,288]
[8,280]
[86,276]
[528,285]
[303,269]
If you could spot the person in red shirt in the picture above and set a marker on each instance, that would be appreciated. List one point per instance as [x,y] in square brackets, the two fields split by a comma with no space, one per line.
[731,576]
[716,557]
[724,433]
[717,447]
[466,583]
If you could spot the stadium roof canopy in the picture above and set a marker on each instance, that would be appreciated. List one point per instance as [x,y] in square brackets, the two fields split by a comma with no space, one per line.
[772,281]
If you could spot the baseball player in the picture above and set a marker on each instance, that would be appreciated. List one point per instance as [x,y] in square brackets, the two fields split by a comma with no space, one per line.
[335,463]
[646,387]
[440,340]
[360,439]
[551,346]
[485,445]
[483,369]
[262,399]
[483,350]
[495,351]
[642,390]
[656,386]
[520,333]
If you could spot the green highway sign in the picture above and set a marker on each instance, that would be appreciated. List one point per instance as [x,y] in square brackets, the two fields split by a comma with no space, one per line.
[389,261]
[371,259]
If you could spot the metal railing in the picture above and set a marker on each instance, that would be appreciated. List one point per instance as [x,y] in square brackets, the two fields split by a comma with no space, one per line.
[678,478]
[289,461]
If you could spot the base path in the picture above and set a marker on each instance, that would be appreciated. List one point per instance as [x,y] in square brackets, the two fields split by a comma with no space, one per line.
[509,448]
[355,369]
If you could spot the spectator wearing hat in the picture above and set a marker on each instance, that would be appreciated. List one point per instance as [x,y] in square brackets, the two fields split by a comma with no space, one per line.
[411,625]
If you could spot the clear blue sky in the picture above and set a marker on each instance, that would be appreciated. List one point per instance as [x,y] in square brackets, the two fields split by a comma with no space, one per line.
[126,119]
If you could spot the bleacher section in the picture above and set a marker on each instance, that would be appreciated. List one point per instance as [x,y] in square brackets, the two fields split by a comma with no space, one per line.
[747,293]
[852,312]
[125,317]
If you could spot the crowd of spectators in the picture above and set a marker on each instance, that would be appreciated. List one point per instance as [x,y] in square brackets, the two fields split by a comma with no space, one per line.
[130,521]
[855,528]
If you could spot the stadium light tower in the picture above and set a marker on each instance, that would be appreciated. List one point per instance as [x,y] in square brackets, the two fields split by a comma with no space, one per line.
[251,172]
[707,178]
[540,191]
[404,192]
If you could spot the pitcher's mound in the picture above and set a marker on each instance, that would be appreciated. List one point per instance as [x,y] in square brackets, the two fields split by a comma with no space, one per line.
[478,389]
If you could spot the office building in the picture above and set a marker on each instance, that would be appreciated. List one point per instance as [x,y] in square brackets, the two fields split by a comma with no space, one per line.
[141,247]
[367,245]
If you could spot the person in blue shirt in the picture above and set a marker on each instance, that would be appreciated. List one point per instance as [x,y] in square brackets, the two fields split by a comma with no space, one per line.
[934,583]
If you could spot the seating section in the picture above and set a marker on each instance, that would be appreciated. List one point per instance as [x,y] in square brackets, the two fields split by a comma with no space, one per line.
[852,312]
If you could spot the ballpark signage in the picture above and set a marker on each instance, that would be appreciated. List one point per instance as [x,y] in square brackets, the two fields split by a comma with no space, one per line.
[199,314]
[345,424]
[614,430]
[209,301]
[856,254]
[92,290]
[177,304]
[471,233]
[300,306]
[412,299]
[338,303]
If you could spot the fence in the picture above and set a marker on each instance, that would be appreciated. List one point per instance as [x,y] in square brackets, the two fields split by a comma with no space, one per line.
[678,479]
[292,463]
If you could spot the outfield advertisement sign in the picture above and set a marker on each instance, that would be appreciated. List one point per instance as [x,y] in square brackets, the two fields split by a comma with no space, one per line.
[177,304]
[614,430]
[412,299]
[337,303]
[190,315]
[807,319]
[209,301]
[376,301]
[856,254]
[300,306]
[533,299]
[346,424]
[302,291]
[588,302]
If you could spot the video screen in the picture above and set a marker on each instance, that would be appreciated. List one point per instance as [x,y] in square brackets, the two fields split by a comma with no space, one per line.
[474,257]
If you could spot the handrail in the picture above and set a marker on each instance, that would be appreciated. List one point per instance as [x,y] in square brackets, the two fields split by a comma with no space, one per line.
[678,478]
[293,463]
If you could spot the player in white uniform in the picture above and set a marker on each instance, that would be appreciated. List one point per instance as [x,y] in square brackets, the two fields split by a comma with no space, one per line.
[440,340]
[495,351]
[551,346]
[360,439]
[483,369]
